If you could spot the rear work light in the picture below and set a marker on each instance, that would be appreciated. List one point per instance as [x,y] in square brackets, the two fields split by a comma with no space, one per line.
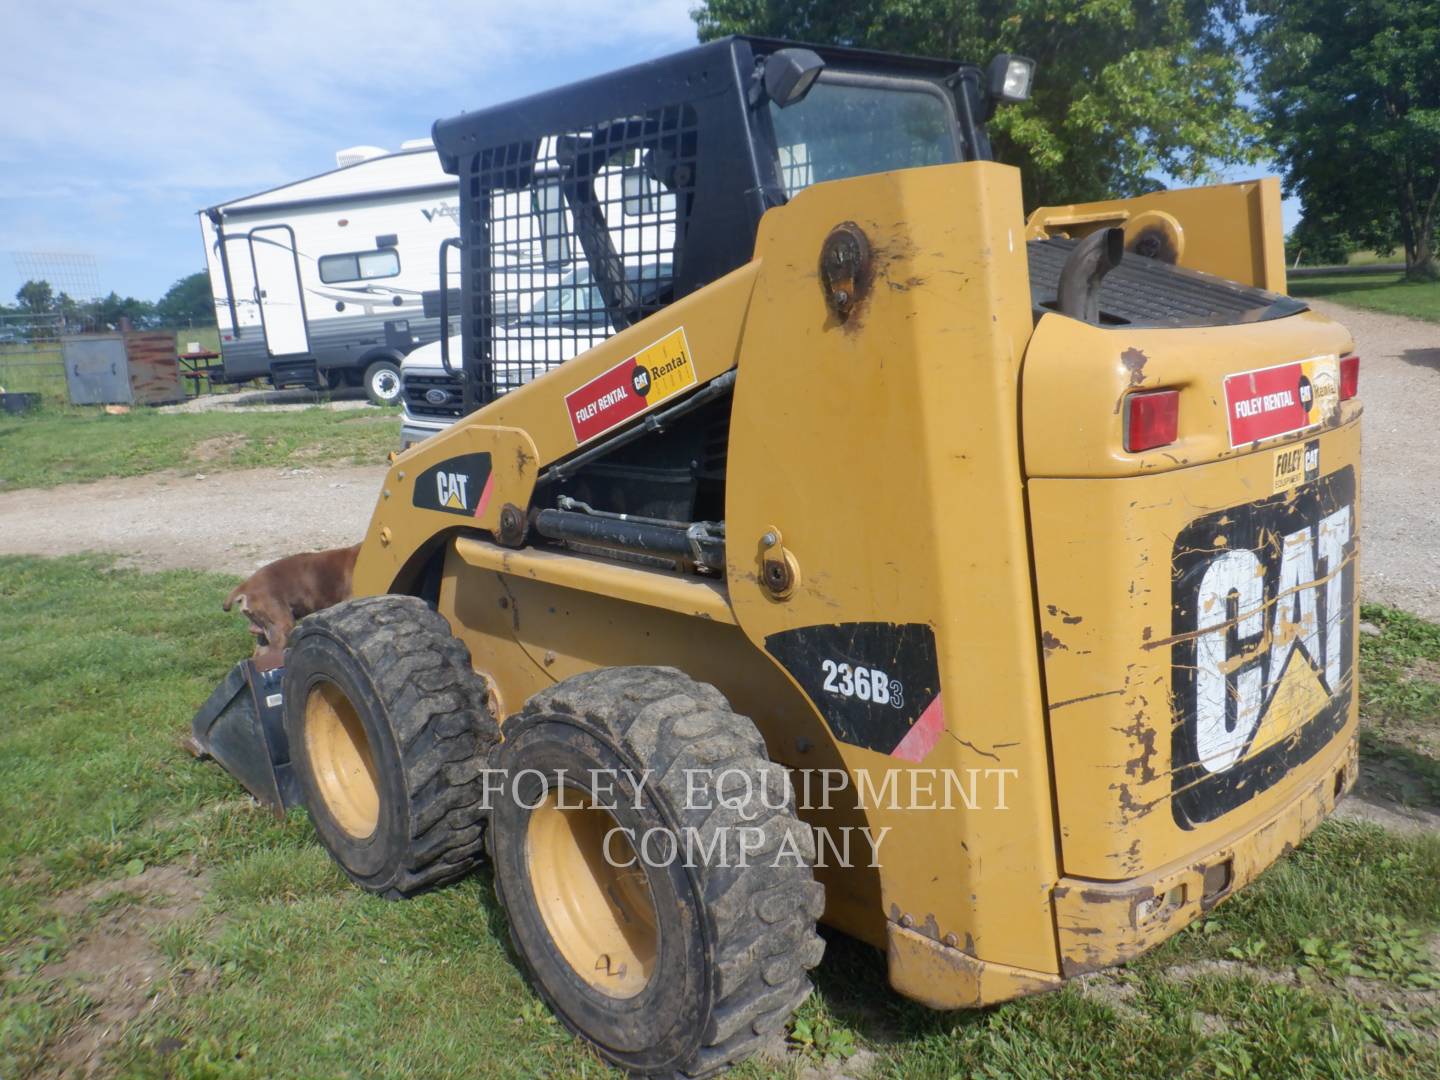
[1151,419]
[1349,377]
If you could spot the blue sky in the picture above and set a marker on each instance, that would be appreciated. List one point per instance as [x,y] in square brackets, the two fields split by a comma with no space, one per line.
[120,118]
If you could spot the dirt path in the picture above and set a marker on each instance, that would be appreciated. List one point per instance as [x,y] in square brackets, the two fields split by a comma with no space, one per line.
[1400,497]
[227,521]
[235,521]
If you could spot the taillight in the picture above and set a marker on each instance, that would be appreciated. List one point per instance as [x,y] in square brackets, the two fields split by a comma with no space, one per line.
[1349,377]
[1151,419]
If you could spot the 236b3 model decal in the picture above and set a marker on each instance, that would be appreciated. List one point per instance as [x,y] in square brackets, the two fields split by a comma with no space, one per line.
[877,684]
[1264,625]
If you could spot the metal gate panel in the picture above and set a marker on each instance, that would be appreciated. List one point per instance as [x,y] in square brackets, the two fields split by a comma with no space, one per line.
[95,370]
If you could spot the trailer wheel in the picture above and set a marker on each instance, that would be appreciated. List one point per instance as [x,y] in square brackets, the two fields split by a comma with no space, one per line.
[382,382]
[668,965]
[389,735]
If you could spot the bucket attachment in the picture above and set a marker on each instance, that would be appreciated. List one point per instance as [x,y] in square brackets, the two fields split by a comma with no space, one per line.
[241,725]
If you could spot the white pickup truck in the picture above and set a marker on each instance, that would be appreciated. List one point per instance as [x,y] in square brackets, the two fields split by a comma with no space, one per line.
[563,322]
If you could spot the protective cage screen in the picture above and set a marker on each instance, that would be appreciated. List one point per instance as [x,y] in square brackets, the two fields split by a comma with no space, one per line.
[574,235]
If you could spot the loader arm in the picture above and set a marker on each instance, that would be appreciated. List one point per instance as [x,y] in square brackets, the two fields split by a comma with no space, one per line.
[463,480]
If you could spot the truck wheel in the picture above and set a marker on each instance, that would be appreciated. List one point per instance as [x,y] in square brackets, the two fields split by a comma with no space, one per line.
[641,922]
[389,736]
[382,382]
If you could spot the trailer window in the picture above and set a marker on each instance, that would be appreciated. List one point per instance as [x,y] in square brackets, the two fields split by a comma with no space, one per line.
[359,266]
[851,125]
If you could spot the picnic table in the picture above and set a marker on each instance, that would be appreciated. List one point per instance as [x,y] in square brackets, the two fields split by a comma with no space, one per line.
[195,366]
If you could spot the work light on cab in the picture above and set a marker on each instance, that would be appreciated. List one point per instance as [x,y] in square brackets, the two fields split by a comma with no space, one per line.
[1009,78]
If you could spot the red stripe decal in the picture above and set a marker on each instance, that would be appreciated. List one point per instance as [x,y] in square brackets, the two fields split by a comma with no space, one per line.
[923,734]
[485,495]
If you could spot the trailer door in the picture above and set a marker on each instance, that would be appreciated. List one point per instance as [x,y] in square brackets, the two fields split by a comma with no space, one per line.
[278,291]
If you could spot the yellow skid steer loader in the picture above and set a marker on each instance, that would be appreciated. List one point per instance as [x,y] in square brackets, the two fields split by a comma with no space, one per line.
[825,541]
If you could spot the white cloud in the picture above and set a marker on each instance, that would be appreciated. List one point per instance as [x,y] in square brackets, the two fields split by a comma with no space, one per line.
[156,107]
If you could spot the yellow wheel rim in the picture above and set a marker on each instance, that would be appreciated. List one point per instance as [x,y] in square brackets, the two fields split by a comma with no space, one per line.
[340,758]
[599,911]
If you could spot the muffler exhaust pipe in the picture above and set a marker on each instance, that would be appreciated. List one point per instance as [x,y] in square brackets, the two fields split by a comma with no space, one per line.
[1093,258]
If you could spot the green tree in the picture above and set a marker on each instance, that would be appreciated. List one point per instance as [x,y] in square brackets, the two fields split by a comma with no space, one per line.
[1125,90]
[109,310]
[1351,93]
[36,297]
[1316,242]
[188,302]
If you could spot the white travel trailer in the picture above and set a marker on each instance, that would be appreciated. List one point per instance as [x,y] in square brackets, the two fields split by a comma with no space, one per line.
[320,282]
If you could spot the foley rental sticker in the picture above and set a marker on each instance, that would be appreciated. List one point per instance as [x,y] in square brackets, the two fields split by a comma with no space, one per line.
[1281,400]
[656,372]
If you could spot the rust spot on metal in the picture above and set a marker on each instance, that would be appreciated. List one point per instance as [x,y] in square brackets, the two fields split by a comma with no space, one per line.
[846,269]
[1135,361]
[1063,615]
[1141,767]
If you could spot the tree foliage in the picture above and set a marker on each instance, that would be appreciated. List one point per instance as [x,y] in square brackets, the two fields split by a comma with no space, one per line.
[1351,93]
[1125,90]
[40,298]
[188,302]
[36,297]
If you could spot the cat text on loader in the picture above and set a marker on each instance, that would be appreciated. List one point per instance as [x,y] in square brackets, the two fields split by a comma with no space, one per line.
[1024,549]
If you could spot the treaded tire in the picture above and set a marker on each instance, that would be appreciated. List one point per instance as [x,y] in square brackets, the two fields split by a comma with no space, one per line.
[428,731]
[735,941]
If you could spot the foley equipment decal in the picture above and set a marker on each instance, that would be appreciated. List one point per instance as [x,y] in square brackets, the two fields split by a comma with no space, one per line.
[1264,632]
[1296,465]
[459,485]
[1269,402]
[876,684]
[632,386]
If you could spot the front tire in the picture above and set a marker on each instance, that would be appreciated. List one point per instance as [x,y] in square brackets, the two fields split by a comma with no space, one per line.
[678,965]
[382,382]
[389,736]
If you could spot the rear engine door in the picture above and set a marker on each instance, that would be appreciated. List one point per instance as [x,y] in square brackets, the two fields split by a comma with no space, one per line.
[1197,599]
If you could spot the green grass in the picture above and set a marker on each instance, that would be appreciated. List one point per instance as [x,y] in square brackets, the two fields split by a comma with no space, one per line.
[1376,292]
[64,446]
[34,369]
[285,969]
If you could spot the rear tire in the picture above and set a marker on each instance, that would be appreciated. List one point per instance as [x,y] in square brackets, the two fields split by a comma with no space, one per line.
[666,968]
[382,382]
[389,736]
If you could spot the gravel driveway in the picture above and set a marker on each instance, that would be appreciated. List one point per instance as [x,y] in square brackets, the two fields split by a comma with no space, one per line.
[1400,494]
[231,521]
[236,521]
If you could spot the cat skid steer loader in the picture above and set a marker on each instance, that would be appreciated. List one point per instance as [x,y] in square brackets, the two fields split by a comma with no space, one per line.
[980,586]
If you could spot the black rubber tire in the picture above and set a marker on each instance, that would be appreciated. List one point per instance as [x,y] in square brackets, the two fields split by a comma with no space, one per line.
[376,371]
[735,941]
[429,732]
